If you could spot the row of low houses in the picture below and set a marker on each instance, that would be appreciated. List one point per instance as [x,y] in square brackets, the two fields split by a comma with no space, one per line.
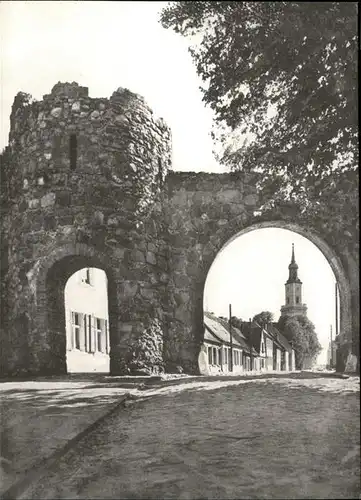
[250,348]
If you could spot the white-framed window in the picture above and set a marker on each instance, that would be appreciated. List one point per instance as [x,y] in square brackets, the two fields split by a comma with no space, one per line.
[214,355]
[210,355]
[99,334]
[262,347]
[262,363]
[225,355]
[89,341]
[75,329]
[235,357]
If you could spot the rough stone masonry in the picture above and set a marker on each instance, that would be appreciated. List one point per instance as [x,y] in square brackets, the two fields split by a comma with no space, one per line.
[87,182]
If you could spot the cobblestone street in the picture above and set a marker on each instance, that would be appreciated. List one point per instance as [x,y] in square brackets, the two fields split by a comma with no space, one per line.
[260,438]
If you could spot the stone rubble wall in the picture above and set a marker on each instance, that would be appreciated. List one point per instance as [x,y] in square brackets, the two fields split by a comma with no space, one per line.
[155,232]
[110,202]
[199,211]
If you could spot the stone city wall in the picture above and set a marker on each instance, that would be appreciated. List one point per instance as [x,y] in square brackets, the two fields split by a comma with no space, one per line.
[87,183]
[199,208]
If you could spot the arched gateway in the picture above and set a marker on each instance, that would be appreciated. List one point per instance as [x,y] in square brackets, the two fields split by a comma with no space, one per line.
[87,185]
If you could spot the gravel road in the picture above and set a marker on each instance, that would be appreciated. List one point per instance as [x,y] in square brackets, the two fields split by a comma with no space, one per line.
[270,438]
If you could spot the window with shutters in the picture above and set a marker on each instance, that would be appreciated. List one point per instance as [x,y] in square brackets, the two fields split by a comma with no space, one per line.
[99,334]
[214,355]
[75,324]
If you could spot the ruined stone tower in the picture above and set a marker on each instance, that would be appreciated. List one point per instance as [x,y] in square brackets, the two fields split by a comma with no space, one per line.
[83,180]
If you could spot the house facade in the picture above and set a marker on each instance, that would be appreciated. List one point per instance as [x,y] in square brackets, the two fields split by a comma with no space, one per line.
[223,351]
[87,323]
[252,348]
[274,352]
[284,354]
[224,355]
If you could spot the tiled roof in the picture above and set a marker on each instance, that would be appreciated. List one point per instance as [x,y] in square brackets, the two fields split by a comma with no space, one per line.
[220,328]
[217,329]
[237,334]
[281,339]
[208,335]
[252,332]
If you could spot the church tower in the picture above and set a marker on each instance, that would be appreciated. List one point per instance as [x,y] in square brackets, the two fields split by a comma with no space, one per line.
[293,289]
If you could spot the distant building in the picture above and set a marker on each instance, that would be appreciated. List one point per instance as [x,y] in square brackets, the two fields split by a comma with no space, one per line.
[293,292]
[331,354]
[87,323]
[283,354]
[274,352]
[257,338]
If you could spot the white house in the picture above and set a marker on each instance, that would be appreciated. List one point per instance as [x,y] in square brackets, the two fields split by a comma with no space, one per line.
[87,323]
[218,350]
[274,352]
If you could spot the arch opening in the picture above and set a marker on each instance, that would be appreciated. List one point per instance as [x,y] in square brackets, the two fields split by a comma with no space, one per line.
[336,271]
[75,313]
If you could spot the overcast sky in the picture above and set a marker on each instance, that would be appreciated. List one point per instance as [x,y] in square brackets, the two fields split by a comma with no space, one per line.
[106,45]
[103,46]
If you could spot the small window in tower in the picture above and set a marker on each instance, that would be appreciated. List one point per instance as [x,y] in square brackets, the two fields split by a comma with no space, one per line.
[73,144]
[160,171]
[297,300]
[288,300]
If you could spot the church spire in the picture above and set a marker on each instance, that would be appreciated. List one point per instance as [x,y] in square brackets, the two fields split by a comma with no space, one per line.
[293,269]
[293,289]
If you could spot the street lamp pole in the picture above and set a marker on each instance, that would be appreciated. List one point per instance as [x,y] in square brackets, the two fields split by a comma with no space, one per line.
[230,338]
[336,308]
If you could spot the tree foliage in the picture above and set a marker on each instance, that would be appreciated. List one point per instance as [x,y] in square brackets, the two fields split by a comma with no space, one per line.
[284,75]
[300,331]
[236,322]
[263,318]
